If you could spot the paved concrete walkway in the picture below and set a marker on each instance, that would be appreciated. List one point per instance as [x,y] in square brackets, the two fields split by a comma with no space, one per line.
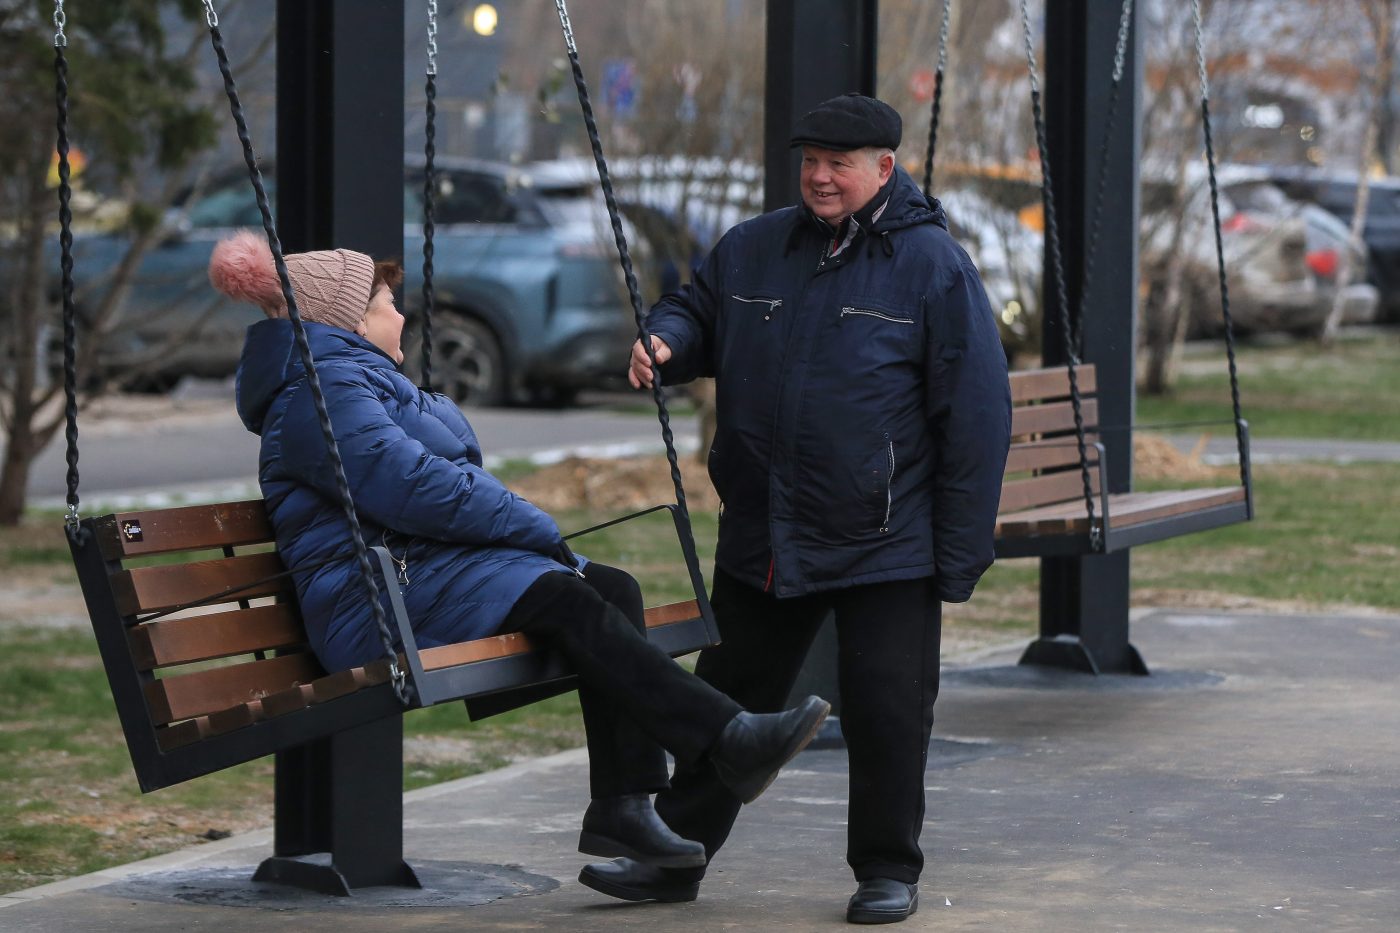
[1253,782]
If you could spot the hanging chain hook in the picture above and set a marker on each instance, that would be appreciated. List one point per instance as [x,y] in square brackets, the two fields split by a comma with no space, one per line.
[1120,53]
[1200,49]
[432,37]
[211,17]
[568,26]
[1030,49]
[943,35]
[60,19]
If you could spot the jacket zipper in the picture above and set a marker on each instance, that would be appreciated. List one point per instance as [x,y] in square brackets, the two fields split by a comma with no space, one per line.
[889,493]
[773,304]
[878,314]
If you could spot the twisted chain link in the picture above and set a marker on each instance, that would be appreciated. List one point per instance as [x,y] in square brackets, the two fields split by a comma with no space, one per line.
[633,291]
[1052,239]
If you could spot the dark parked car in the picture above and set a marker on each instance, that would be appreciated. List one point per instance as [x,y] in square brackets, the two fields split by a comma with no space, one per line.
[1336,193]
[530,299]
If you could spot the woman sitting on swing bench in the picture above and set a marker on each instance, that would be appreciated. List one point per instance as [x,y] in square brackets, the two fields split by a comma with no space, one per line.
[474,559]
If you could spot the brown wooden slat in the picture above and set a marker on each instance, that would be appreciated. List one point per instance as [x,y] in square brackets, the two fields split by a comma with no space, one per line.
[672,612]
[1052,417]
[500,646]
[160,531]
[288,701]
[149,589]
[1047,455]
[184,733]
[1035,384]
[235,717]
[186,696]
[1018,495]
[1124,509]
[343,683]
[479,649]
[217,635]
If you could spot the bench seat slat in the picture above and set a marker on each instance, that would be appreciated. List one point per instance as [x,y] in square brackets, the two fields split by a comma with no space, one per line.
[161,531]
[168,642]
[1048,455]
[151,589]
[185,696]
[500,646]
[1051,383]
[1124,509]
[1053,417]
[1049,489]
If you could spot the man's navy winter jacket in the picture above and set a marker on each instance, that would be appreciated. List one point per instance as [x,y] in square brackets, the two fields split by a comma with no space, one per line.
[470,547]
[863,407]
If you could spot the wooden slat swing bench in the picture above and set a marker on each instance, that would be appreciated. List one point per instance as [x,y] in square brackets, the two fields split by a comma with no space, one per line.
[1056,497]
[197,623]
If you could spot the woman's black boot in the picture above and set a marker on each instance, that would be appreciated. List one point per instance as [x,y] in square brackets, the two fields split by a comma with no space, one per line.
[628,827]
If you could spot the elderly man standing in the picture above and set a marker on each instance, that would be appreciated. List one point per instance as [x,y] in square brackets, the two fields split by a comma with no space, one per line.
[863,425]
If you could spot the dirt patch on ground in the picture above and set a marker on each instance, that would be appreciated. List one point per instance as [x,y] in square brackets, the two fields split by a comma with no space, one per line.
[615,485]
[1155,458]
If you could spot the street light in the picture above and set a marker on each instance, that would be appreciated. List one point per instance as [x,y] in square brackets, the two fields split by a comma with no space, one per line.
[484,19]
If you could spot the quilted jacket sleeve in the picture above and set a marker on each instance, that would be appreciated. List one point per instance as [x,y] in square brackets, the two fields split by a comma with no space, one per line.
[969,406]
[397,482]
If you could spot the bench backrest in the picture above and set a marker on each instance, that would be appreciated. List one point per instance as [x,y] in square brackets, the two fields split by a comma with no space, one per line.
[1042,467]
[222,660]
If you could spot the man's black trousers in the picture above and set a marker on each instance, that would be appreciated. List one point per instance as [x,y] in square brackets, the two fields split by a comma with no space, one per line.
[636,700]
[888,638]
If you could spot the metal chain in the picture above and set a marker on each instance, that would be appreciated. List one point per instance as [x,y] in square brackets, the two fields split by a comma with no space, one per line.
[400,685]
[71,520]
[937,98]
[1240,446]
[429,197]
[625,257]
[1052,239]
[60,19]
[211,17]
[432,37]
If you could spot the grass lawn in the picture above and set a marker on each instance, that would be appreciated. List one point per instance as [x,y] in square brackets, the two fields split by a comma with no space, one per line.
[1293,390]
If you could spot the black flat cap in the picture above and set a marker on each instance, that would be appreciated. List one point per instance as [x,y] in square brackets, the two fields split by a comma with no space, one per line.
[851,121]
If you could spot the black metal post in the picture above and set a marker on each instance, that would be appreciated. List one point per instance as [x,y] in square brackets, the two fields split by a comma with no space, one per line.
[340,178]
[1084,600]
[817,49]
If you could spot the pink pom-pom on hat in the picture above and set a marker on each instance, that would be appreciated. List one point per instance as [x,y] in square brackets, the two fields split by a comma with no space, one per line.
[242,268]
[331,286]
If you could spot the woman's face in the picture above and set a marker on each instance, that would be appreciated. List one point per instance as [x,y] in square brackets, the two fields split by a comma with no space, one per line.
[383,324]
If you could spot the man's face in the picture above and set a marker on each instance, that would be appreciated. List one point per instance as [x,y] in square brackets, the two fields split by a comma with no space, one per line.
[837,184]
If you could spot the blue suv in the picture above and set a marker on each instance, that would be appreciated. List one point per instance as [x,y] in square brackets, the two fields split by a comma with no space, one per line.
[530,301]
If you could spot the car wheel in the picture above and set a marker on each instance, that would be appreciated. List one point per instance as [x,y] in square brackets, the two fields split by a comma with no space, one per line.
[468,365]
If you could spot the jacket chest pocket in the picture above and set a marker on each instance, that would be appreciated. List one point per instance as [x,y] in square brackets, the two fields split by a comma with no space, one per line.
[878,332]
[755,305]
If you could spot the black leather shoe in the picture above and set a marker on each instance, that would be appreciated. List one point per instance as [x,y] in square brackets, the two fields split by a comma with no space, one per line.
[754,746]
[632,881]
[628,826]
[882,900]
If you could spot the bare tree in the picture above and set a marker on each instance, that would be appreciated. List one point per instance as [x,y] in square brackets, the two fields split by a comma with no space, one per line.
[136,114]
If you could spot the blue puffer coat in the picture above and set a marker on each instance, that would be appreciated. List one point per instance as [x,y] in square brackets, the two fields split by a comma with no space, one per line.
[471,546]
[863,407]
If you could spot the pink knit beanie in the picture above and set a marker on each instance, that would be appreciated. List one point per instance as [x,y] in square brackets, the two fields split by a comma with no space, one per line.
[331,286]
